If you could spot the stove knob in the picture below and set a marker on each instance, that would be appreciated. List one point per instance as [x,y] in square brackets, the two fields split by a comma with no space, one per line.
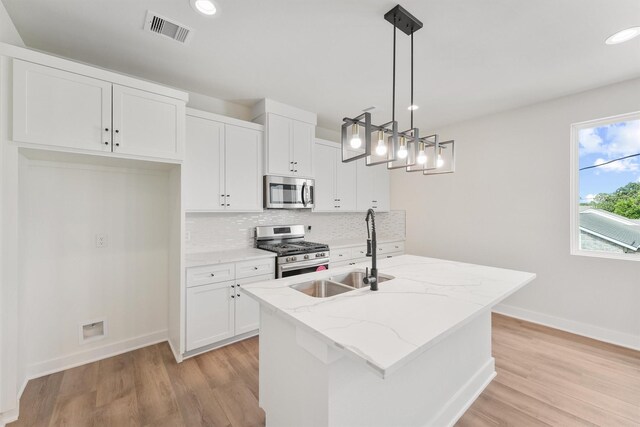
[288,259]
[306,257]
[317,255]
[294,258]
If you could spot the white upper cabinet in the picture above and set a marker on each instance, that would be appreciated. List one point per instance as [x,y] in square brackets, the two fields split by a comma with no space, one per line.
[289,146]
[335,188]
[278,148]
[243,166]
[57,108]
[373,187]
[289,138]
[147,124]
[302,148]
[54,107]
[222,170]
[203,168]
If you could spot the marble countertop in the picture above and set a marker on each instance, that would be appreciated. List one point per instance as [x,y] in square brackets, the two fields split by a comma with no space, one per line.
[428,299]
[344,243]
[234,255]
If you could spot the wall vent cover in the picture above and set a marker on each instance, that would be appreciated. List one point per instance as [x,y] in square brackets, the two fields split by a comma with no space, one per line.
[161,25]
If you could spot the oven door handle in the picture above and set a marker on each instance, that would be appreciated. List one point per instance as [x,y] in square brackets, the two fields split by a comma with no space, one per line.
[317,261]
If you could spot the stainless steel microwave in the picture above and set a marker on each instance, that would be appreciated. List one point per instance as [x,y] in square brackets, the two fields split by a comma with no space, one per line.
[281,192]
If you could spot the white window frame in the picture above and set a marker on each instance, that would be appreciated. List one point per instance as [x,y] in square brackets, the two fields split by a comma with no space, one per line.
[574,198]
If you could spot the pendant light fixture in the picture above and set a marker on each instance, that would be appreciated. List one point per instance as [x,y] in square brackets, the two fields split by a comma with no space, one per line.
[384,144]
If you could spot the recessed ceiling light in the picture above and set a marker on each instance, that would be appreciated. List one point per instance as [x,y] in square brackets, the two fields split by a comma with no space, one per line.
[623,36]
[205,7]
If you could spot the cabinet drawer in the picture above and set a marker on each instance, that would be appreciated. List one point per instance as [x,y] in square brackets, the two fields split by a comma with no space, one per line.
[339,255]
[255,267]
[210,274]
[387,248]
[359,252]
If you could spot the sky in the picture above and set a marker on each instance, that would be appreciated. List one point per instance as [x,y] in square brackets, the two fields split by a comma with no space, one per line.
[602,144]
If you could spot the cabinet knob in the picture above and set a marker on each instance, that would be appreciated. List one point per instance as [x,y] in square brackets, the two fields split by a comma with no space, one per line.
[106,143]
[228,204]
[233,286]
[233,296]
[228,195]
[212,274]
[222,204]
[255,268]
[117,131]
[238,295]
[295,163]
[117,144]
[106,129]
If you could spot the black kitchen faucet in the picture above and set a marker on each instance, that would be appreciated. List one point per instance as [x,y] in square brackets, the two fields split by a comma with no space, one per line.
[372,244]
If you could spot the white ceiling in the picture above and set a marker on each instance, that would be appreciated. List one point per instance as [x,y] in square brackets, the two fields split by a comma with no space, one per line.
[333,57]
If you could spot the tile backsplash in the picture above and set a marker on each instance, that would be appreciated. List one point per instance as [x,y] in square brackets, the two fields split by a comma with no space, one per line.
[221,231]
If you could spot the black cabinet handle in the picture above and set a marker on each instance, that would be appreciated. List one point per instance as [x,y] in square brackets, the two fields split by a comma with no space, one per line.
[117,131]
[212,274]
[233,296]
[117,144]
[106,143]
[106,129]
[238,295]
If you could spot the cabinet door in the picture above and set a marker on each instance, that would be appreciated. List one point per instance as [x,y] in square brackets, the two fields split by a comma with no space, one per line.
[346,184]
[147,124]
[278,152]
[380,189]
[210,314]
[243,176]
[325,179]
[247,309]
[203,167]
[364,179]
[303,138]
[55,107]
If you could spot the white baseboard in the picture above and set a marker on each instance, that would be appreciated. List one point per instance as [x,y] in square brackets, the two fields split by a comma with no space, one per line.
[584,329]
[97,353]
[8,417]
[464,398]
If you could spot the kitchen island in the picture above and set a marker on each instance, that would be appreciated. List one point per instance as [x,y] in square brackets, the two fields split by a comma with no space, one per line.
[415,353]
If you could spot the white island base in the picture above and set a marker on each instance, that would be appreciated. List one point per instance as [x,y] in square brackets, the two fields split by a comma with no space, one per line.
[306,382]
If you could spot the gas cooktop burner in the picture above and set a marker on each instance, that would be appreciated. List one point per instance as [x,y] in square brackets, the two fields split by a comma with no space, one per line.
[293,248]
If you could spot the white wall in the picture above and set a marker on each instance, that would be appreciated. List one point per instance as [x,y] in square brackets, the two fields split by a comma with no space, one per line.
[66,280]
[8,32]
[508,206]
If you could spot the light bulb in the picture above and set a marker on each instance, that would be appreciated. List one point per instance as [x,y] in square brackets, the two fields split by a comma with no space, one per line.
[356,142]
[422,157]
[402,150]
[623,36]
[381,149]
[205,7]
[440,161]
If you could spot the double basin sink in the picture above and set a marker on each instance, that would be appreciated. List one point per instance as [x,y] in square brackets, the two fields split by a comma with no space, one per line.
[336,285]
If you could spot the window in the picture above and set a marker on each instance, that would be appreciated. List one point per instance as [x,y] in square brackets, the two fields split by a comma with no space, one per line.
[605,187]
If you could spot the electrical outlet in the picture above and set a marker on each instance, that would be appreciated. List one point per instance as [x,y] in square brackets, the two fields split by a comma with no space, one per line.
[101,241]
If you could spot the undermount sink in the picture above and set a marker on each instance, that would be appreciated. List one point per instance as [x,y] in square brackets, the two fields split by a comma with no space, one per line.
[321,288]
[336,285]
[354,279]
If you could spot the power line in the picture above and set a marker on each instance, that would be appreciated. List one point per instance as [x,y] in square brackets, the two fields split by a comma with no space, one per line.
[610,161]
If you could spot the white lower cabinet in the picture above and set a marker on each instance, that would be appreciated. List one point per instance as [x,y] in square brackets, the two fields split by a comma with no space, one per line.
[350,255]
[218,310]
[210,315]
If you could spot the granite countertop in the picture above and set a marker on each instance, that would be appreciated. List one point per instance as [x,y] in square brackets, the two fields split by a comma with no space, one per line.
[428,299]
[344,243]
[234,255]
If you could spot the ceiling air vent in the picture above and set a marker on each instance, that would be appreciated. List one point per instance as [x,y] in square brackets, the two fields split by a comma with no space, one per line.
[163,26]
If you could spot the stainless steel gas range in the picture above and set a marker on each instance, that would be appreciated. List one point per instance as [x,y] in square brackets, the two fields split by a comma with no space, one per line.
[295,255]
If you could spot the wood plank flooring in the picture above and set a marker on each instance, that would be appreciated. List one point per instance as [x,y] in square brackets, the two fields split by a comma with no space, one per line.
[545,378]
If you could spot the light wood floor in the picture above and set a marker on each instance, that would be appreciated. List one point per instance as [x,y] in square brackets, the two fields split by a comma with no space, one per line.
[545,377]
